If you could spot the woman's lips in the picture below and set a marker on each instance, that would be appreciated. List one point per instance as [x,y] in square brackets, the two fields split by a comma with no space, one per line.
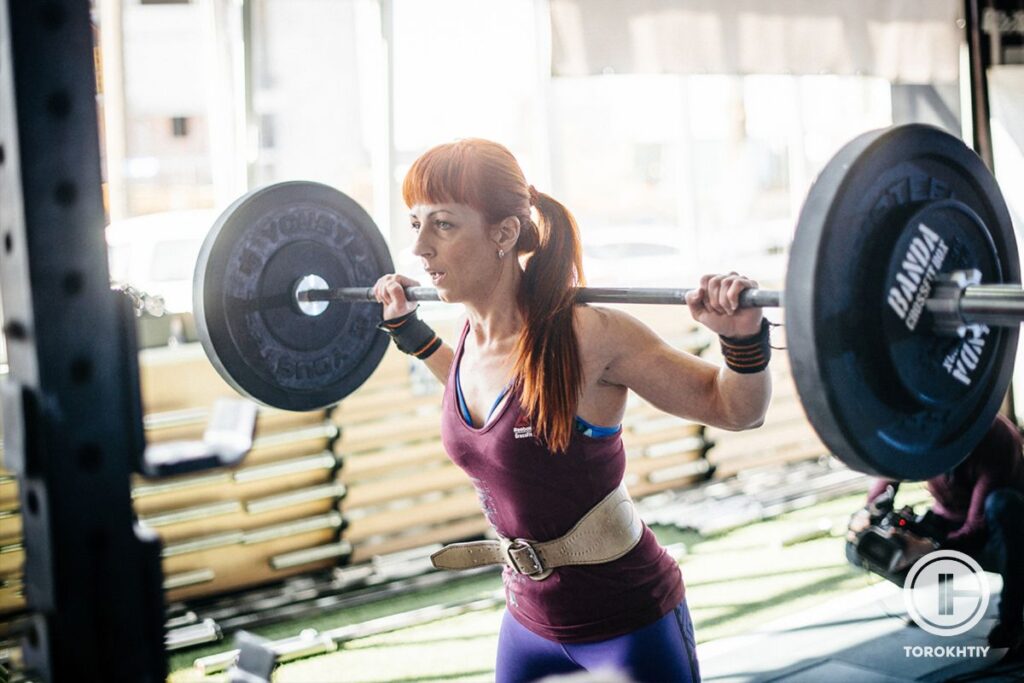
[436,277]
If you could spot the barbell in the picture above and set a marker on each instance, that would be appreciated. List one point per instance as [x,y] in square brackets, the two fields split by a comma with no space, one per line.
[902,299]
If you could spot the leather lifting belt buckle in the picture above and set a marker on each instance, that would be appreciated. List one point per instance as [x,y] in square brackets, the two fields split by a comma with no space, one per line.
[607,532]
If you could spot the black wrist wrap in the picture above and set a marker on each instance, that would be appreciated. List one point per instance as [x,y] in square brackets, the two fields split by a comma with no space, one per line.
[747,355]
[411,335]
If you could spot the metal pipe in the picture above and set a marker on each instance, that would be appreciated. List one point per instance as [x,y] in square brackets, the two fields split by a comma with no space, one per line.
[978,62]
[750,298]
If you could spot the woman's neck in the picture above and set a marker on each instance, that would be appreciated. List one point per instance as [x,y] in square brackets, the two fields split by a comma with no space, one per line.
[494,318]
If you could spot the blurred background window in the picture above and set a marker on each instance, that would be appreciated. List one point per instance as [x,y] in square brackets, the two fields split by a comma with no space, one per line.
[683,135]
[697,126]
[166,133]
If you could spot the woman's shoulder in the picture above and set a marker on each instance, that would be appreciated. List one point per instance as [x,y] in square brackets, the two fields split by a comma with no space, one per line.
[592,319]
[598,328]
[589,321]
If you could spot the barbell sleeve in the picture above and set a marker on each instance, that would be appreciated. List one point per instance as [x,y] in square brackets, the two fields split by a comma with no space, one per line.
[959,300]
[750,298]
[996,305]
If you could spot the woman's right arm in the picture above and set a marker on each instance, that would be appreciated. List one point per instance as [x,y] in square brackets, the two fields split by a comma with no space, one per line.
[390,291]
[440,363]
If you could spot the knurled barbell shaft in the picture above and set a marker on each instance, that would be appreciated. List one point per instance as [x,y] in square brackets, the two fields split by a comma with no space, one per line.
[750,298]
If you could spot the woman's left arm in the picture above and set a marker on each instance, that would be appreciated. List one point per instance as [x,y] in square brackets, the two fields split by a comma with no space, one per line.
[744,397]
[679,383]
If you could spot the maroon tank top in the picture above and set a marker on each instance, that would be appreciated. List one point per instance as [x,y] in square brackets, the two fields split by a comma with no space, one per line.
[527,491]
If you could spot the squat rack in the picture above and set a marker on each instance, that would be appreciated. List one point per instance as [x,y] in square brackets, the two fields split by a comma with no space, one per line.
[72,415]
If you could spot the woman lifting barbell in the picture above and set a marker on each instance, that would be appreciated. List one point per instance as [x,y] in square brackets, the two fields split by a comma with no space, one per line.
[587,584]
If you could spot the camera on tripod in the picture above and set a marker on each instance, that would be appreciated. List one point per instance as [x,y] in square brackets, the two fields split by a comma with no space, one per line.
[881,546]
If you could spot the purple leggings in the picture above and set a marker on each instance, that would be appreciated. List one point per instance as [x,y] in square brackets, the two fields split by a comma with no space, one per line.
[662,651]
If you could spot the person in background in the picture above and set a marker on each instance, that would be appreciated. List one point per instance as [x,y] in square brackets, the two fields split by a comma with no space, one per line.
[979,510]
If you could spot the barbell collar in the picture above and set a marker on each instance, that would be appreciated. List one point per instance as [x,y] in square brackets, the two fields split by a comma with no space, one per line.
[750,298]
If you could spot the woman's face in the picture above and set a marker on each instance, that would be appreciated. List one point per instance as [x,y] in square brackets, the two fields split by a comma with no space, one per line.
[457,247]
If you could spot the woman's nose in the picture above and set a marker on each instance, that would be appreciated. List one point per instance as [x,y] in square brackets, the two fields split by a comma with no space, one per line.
[421,245]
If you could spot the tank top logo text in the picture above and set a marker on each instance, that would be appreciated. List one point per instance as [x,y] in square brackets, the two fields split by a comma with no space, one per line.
[522,428]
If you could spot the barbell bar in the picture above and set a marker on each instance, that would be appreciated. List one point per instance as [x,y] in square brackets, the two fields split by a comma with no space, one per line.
[902,299]
[955,308]
[750,298]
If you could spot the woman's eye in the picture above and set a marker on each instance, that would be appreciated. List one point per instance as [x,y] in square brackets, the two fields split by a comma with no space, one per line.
[444,225]
[414,226]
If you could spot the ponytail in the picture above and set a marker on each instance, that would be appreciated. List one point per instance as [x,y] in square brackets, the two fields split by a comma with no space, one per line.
[547,368]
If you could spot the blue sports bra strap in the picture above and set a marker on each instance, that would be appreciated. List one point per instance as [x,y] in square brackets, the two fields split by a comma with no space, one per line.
[595,431]
[464,408]
[497,401]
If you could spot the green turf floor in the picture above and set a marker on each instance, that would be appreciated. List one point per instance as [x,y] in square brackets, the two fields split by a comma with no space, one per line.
[735,581]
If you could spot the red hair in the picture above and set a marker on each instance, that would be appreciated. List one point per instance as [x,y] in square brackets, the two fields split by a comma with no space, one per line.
[485,176]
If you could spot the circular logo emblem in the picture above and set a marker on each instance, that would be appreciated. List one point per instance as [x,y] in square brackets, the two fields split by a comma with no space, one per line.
[946,593]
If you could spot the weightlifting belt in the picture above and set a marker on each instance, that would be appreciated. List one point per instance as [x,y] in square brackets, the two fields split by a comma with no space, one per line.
[607,532]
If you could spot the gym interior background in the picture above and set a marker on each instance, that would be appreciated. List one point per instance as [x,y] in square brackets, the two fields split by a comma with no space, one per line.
[684,136]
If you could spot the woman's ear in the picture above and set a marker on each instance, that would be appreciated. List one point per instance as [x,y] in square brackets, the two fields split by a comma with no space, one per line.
[507,233]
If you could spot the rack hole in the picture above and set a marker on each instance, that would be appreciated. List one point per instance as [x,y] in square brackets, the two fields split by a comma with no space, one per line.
[59,104]
[73,283]
[65,193]
[90,457]
[53,15]
[81,370]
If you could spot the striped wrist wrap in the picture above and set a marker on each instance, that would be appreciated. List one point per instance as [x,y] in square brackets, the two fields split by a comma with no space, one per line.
[747,355]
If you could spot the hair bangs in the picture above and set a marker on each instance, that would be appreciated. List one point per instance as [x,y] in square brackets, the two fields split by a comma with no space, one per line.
[444,174]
